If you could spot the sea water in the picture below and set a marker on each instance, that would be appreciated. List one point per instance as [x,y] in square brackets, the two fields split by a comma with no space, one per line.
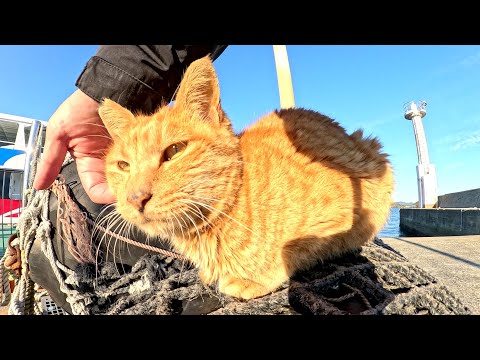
[392,227]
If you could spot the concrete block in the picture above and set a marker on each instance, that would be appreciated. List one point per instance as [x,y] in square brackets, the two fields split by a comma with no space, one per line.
[462,199]
[440,222]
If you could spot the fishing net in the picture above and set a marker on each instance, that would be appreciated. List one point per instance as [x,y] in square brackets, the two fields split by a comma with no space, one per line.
[100,273]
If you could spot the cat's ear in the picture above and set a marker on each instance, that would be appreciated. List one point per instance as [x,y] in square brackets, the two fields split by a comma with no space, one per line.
[199,91]
[115,117]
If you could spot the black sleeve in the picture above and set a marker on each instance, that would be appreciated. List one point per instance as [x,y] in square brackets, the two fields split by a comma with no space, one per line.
[140,77]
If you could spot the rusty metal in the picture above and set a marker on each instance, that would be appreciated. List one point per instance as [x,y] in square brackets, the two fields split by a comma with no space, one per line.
[14,259]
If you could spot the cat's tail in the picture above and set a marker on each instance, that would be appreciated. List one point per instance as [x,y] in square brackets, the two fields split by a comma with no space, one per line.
[365,158]
[324,140]
[371,142]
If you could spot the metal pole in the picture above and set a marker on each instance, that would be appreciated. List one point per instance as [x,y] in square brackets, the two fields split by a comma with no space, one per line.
[29,152]
[285,87]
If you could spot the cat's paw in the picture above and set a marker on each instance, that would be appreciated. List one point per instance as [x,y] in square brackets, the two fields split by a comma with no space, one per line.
[241,288]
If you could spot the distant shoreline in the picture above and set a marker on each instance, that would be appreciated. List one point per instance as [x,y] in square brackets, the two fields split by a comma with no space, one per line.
[403,205]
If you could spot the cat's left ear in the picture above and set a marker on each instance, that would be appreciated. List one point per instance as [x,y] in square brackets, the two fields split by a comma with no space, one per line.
[199,91]
[115,117]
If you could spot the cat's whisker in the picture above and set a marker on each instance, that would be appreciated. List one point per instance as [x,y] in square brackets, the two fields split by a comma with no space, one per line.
[147,239]
[120,232]
[105,208]
[99,219]
[95,124]
[174,230]
[97,254]
[186,227]
[102,239]
[196,210]
[130,236]
[122,245]
[109,229]
[171,229]
[181,271]
[217,228]
[183,236]
[105,220]
[199,213]
[178,221]
[102,136]
[193,222]
[102,152]
[208,207]
[97,228]
[98,223]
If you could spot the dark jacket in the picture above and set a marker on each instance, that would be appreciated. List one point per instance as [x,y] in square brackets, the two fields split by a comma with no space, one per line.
[140,77]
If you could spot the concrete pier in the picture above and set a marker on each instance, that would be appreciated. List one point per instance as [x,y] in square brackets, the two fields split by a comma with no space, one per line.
[455,214]
[453,260]
[440,222]
[462,199]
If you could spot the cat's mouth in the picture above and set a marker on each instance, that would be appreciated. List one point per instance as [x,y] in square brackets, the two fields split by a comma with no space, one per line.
[189,219]
[138,218]
[148,219]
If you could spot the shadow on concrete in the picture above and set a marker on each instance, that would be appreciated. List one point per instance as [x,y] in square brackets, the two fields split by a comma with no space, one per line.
[471,263]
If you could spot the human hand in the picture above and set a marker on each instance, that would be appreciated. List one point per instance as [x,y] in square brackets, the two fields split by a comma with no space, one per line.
[76,127]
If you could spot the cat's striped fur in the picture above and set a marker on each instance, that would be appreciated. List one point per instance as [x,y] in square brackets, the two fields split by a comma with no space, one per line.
[250,209]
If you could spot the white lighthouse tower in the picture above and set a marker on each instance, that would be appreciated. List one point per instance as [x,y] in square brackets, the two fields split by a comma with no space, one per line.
[426,176]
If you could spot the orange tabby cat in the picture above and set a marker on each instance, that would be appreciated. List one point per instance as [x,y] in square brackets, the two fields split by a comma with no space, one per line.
[251,209]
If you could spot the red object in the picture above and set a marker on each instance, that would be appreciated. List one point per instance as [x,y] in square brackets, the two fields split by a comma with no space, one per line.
[9,205]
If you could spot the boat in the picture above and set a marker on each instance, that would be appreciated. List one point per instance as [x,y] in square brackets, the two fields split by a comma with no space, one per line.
[16,140]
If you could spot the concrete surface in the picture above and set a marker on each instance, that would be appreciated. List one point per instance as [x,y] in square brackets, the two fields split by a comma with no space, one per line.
[453,260]
[461,199]
[440,222]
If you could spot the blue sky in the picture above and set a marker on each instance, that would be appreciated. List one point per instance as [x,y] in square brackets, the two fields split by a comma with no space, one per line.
[359,86]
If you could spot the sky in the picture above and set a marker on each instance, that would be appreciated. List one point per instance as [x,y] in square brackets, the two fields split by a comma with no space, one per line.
[360,86]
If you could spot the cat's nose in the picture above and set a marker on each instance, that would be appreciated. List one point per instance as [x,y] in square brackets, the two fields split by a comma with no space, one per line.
[139,199]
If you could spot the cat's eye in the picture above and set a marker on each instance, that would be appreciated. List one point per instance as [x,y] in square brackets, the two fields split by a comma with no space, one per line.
[173,150]
[123,165]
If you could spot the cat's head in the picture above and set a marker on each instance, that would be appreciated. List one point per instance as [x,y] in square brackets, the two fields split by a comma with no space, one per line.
[178,168]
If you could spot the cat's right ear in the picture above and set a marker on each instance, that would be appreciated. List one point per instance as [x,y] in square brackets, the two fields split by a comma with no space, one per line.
[115,117]
[199,92]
